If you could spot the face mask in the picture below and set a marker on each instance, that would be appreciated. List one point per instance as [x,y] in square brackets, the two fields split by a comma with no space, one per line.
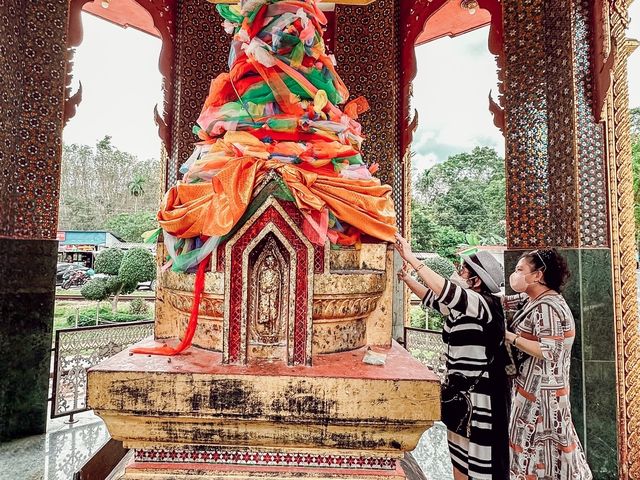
[456,279]
[518,281]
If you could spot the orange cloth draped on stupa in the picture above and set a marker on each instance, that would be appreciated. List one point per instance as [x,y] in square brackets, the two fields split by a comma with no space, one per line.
[277,110]
[212,209]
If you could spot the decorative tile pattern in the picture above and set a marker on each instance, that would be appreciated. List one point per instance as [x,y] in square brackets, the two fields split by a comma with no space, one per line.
[201,54]
[369,63]
[302,329]
[561,160]
[227,456]
[590,137]
[526,131]
[555,149]
[32,89]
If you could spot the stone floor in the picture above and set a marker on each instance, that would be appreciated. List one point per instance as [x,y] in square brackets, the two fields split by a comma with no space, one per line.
[59,453]
[56,455]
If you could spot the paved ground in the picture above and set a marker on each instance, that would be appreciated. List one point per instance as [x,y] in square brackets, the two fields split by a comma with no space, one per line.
[57,454]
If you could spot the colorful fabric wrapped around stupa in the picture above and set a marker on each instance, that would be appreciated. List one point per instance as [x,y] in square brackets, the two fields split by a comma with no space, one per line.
[276,110]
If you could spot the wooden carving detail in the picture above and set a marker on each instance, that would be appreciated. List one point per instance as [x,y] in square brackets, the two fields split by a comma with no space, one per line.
[623,251]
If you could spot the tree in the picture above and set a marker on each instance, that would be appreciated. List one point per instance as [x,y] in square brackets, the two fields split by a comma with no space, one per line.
[131,226]
[136,188]
[123,270]
[634,115]
[461,196]
[422,227]
[101,182]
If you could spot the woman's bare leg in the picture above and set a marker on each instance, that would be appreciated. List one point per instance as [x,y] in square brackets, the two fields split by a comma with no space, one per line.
[458,475]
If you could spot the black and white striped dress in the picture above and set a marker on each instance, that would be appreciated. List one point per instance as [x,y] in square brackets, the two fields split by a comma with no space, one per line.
[473,332]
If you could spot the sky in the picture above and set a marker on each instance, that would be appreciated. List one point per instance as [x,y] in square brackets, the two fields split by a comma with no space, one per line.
[121,84]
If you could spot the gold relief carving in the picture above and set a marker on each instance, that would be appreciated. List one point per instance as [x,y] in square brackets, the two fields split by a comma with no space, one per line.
[343,308]
[331,337]
[270,296]
[623,251]
[183,302]
[213,282]
[350,282]
[208,332]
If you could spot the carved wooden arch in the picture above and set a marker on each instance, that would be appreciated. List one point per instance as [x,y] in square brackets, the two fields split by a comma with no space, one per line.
[162,13]
[414,14]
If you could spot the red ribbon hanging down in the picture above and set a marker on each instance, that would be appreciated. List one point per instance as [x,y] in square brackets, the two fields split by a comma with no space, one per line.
[193,319]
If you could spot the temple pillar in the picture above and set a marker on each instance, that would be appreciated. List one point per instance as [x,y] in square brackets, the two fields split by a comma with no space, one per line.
[558,163]
[201,50]
[367,49]
[32,97]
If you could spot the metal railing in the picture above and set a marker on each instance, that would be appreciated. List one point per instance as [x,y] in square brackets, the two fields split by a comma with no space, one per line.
[78,349]
[427,347]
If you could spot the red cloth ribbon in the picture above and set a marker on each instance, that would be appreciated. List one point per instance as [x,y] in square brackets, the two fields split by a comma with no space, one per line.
[193,320]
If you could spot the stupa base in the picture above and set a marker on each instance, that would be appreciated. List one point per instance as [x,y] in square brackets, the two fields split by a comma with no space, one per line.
[193,417]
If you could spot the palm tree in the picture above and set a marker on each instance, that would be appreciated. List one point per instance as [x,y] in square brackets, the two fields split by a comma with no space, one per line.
[136,188]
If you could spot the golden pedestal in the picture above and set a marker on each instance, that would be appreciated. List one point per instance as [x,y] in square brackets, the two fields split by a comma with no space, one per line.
[195,416]
[275,385]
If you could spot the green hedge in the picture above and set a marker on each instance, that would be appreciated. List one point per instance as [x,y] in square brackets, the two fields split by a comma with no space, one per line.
[87,317]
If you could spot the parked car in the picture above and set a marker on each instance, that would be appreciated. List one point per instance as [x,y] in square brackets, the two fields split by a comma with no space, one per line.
[147,285]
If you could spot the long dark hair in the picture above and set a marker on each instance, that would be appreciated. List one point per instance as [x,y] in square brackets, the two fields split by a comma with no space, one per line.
[553,266]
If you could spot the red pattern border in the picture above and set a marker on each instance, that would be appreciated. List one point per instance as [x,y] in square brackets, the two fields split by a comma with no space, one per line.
[222,456]
[235,348]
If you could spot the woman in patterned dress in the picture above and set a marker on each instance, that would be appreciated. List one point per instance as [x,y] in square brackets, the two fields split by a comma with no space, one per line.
[474,333]
[543,441]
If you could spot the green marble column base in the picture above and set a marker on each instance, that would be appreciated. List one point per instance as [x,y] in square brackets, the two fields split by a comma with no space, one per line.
[27,296]
[593,367]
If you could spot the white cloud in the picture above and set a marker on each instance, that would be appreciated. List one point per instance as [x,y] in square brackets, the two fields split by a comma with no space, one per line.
[121,85]
[423,162]
[451,92]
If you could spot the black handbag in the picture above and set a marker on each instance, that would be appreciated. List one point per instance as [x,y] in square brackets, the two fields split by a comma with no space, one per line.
[455,398]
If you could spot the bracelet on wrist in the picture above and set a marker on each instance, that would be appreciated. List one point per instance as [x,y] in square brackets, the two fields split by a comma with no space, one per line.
[515,340]
[419,267]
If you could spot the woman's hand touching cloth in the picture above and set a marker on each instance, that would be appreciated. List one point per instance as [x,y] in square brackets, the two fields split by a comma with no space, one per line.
[430,278]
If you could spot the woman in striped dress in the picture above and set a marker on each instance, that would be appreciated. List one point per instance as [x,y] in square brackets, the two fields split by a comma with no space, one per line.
[474,333]
[544,443]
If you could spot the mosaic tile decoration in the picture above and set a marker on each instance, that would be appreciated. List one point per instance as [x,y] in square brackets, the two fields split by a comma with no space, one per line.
[556,180]
[262,458]
[592,186]
[370,67]
[561,149]
[201,54]
[32,88]
[526,130]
